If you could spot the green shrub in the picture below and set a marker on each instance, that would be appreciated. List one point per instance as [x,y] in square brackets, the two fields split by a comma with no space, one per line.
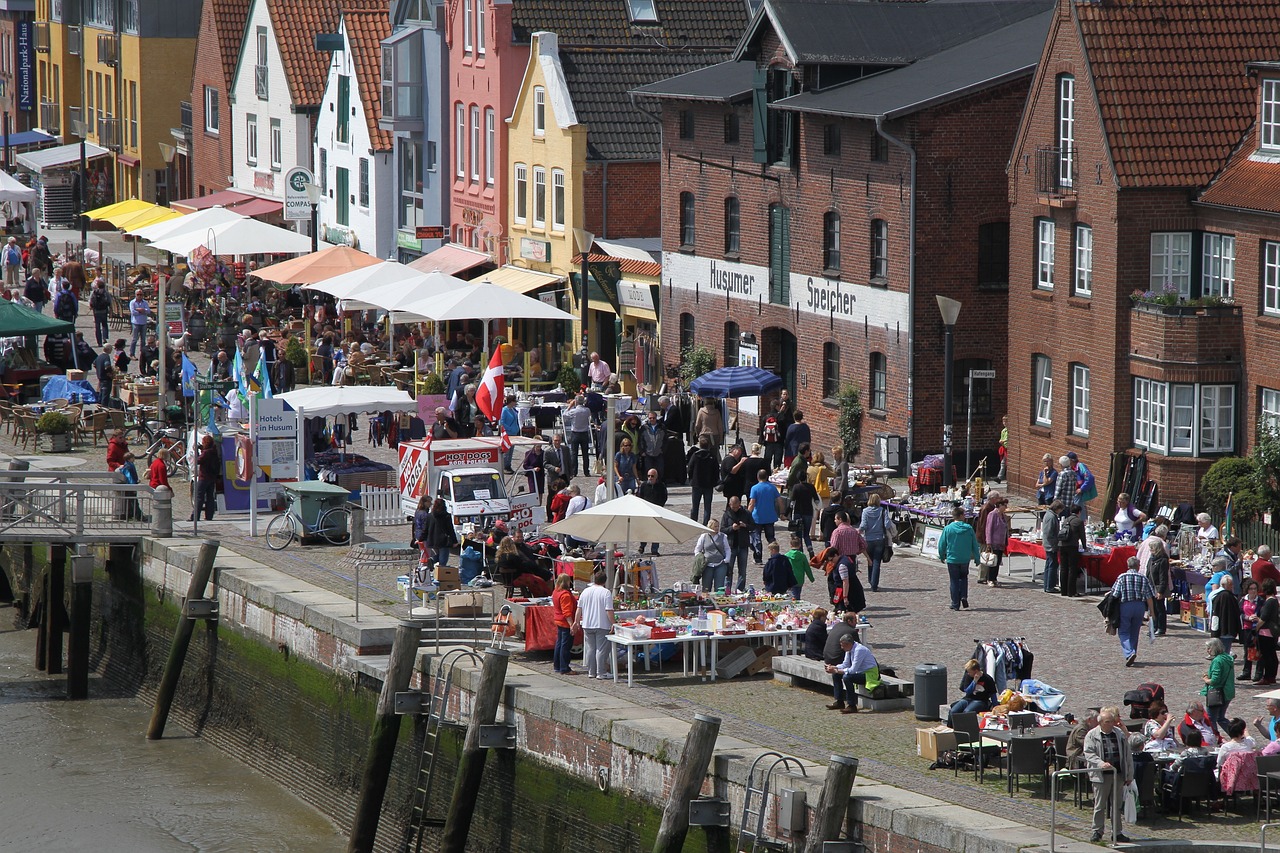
[53,423]
[696,361]
[295,353]
[1238,477]
[849,422]
[569,378]
[432,383]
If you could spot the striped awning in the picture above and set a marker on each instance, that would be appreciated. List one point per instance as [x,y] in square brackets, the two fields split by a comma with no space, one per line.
[520,280]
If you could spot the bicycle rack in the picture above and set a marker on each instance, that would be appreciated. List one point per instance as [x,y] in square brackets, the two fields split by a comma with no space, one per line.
[759,814]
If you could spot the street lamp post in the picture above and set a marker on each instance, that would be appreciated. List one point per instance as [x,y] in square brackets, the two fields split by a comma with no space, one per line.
[950,309]
[585,241]
[313,196]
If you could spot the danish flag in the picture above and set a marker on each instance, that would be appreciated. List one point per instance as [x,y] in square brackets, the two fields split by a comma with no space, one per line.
[505,442]
[489,395]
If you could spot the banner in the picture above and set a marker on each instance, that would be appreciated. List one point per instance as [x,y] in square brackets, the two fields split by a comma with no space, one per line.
[24,50]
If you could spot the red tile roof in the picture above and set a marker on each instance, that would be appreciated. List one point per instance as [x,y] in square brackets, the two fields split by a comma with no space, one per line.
[1171,84]
[296,23]
[626,265]
[228,22]
[1245,183]
[366,28]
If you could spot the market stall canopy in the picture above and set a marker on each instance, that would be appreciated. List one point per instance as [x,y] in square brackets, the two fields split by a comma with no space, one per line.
[323,401]
[128,207]
[144,218]
[61,155]
[318,266]
[481,301]
[395,296]
[27,137]
[736,382]
[242,236]
[353,287]
[132,213]
[17,320]
[629,519]
[11,189]
[201,220]
[451,259]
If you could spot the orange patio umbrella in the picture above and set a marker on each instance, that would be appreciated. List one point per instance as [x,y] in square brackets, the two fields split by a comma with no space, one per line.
[317,266]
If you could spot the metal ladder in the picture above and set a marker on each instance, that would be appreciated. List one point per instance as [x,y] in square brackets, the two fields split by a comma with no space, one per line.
[441,688]
[761,811]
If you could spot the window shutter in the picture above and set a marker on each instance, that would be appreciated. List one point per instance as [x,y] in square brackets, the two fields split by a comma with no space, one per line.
[784,280]
[760,116]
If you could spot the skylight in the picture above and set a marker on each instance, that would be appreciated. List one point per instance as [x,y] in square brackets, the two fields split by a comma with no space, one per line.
[643,11]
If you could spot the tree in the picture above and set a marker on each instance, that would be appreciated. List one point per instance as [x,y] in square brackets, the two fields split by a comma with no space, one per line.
[696,361]
[1266,460]
[849,422]
[1237,477]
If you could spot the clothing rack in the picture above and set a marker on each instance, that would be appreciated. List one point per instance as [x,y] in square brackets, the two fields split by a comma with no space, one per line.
[1003,640]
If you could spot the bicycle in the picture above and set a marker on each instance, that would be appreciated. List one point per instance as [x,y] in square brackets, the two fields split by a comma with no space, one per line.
[172,441]
[143,429]
[333,526]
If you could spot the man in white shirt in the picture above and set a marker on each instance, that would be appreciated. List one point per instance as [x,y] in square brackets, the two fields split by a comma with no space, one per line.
[577,503]
[849,673]
[595,618]
[598,371]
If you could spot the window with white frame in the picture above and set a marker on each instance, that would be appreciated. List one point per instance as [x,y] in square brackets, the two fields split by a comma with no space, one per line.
[480,35]
[468,9]
[411,202]
[522,193]
[1171,263]
[251,140]
[1269,137]
[490,143]
[1045,237]
[460,140]
[211,118]
[1066,129]
[277,145]
[1079,399]
[879,250]
[475,144]
[1082,281]
[1184,419]
[1271,278]
[539,111]
[1042,389]
[557,199]
[1218,266]
[1269,408]
[539,196]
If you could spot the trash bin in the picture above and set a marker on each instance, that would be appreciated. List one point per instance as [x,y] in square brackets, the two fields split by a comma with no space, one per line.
[931,690]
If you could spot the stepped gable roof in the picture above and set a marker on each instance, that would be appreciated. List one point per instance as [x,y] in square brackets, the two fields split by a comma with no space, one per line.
[1170,82]
[600,81]
[366,28]
[607,23]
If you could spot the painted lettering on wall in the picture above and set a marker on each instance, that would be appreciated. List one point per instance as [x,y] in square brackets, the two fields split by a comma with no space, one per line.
[827,296]
[732,281]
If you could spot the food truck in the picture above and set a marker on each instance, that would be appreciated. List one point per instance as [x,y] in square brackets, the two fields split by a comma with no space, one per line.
[465,472]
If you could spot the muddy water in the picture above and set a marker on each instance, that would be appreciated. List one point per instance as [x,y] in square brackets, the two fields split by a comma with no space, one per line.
[78,776]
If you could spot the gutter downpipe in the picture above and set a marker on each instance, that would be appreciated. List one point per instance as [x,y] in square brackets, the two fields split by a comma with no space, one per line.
[911,291]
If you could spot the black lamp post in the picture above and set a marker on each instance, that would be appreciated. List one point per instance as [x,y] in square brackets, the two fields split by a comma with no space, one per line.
[950,309]
[585,241]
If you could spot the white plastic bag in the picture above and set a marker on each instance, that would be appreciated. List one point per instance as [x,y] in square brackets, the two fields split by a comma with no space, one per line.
[1130,795]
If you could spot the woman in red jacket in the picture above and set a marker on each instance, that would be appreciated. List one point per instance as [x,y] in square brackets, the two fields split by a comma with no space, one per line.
[117,447]
[565,608]
[158,473]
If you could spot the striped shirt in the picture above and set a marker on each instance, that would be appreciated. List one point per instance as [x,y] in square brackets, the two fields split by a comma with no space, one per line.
[1132,585]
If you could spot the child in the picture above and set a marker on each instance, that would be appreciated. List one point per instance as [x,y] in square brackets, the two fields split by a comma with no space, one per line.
[799,567]
[777,572]
[132,509]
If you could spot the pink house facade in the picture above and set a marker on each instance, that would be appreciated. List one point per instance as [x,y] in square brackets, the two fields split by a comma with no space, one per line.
[485,70]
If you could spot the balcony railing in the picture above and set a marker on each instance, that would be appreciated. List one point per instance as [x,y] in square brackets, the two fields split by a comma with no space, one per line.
[51,117]
[108,51]
[40,35]
[1056,171]
[75,41]
[109,133]
[260,79]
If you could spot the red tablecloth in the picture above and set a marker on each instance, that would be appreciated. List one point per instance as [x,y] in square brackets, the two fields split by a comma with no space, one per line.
[1103,567]
[540,629]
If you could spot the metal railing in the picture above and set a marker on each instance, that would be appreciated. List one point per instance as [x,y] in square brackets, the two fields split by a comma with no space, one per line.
[1262,844]
[45,505]
[75,40]
[1116,792]
[1057,171]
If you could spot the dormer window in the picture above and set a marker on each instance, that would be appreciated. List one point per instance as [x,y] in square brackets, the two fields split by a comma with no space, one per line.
[1269,138]
[643,11]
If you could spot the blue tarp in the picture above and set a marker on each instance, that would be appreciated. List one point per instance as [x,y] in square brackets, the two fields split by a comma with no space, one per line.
[77,391]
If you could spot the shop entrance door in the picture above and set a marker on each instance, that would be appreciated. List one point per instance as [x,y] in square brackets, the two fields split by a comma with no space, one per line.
[787,360]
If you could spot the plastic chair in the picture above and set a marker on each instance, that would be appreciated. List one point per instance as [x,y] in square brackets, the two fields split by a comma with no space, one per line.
[1026,757]
[969,739]
[1196,785]
[1267,764]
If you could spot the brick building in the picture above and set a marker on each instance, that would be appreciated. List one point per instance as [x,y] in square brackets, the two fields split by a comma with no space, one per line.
[217,49]
[1144,241]
[797,178]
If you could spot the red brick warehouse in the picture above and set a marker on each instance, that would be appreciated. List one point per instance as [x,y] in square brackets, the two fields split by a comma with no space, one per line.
[797,178]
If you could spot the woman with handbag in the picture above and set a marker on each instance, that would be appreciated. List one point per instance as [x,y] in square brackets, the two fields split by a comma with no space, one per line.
[1268,629]
[1219,683]
[712,550]
[878,530]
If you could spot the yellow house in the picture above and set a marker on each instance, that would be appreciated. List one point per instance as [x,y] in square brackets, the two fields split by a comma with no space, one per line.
[58,48]
[547,147]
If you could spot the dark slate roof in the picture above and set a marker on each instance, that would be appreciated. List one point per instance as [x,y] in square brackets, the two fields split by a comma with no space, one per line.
[724,82]
[600,82]
[985,61]
[714,24]
[892,33]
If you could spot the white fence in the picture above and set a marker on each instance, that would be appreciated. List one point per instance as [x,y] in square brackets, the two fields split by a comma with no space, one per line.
[381,506]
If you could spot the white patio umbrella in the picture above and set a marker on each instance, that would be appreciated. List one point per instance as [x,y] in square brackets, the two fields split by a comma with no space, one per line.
[349,285]
[484,301]
[243,236]
[201,221]
[325,400]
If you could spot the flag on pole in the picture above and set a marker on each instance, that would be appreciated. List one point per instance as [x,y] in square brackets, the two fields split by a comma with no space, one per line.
[453,401]
[188,376]
[263,377]
[237,374]
[489,395]
[1226,519]
[505,442]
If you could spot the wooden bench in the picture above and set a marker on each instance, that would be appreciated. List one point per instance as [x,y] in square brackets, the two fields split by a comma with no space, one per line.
[798,669]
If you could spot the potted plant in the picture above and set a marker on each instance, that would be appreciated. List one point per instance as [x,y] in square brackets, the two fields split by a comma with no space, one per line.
[58,427]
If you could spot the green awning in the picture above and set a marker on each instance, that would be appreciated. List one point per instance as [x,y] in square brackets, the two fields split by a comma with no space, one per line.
[17,319]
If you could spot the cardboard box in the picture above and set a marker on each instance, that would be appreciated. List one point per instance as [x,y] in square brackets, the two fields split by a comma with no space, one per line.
[449,585]
[1199,623]
[75,375]
[1197,609]
[464,604]
[930,743]
[1186,616]
[446,573]
[763,661]
[735,662]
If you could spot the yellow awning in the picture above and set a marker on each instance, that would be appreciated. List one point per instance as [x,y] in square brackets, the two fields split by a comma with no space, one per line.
[520,280]
[120,208]
[143,218]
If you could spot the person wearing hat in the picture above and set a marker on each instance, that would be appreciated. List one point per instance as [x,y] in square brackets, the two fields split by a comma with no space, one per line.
[12,263]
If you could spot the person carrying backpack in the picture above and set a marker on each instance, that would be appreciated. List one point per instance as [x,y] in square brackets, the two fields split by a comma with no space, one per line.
[65,306]
[100,305]
[771,435]
[12,263]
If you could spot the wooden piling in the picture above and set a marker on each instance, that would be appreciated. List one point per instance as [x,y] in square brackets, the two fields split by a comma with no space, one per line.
[39,613]
[382,740]
[52,624]
[466,785]
[181,641]
[699,746]
[829,815]
[81,609]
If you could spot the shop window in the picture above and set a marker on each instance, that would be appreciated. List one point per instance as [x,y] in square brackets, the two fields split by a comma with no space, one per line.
[686,332]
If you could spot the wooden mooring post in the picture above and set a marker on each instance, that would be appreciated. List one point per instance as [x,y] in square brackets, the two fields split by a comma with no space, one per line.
[466,786]
[181,640]
[382,740]
[51,624]
[81,610]
[699,745]
[830,813]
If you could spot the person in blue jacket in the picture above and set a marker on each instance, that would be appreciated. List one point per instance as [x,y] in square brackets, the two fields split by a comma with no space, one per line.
[958,547]
[511,423]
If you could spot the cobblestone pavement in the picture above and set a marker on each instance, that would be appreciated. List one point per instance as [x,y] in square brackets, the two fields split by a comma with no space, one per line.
[912,624]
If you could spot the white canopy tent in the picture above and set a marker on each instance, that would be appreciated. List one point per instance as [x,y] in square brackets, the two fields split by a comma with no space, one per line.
[17,197]
[322,401]
[349,286]
[243,236]
[200,221]
[483,301]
